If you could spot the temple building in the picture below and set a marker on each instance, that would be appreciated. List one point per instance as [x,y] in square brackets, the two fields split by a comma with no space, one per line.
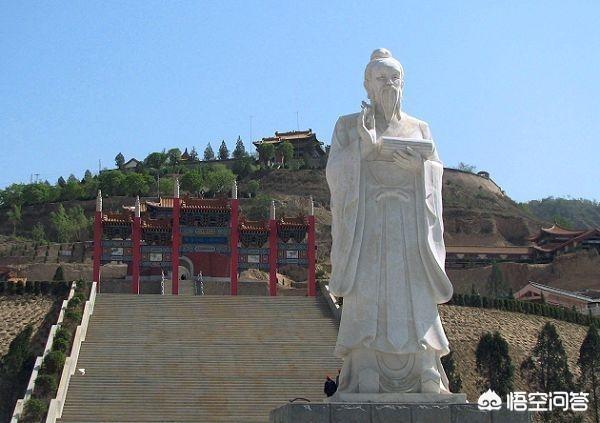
[587,302]
[555,240]
[306,147]
[182,238]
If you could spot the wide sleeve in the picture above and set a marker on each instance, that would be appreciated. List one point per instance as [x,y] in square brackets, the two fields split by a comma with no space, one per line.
[343,178]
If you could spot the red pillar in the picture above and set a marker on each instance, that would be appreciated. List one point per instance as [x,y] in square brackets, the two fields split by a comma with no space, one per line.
[97,248]
[234,238]
[311,253]
[135,256]
[272,257]
[175,247]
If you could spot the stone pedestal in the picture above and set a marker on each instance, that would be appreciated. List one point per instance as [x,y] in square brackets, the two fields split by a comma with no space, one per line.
[392,413]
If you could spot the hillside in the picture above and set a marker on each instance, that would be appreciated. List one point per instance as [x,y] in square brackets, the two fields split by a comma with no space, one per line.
[574,213]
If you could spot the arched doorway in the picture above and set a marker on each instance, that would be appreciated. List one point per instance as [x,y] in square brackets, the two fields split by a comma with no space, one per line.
[186,269]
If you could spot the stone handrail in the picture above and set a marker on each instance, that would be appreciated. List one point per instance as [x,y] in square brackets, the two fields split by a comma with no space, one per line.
[331,299]
[56,405]
[18,411]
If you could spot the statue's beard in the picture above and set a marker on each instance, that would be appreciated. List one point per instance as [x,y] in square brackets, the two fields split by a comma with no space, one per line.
[390,100]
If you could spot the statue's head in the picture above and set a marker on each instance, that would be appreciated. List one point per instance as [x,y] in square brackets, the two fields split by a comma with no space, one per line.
[384,80]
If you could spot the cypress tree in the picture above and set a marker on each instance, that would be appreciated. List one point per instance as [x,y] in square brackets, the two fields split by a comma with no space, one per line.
[223,151]
[494,364]
[454,379]
[547,370]
[240,149]
[209,154]
[589,363]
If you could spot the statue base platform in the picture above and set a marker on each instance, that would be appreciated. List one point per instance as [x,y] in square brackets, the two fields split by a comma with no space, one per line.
[397,398]
[371,412]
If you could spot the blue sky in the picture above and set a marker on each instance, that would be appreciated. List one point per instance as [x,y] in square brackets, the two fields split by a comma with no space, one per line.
[510,87]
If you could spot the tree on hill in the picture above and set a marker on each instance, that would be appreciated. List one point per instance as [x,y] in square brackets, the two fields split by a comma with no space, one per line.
[71,191]
[193,154]
[38,233]
[15,217]
[137,184]
[38,193]
[192,182]
[155,160]
[240,149]
[244,166]
[252,187]
[209,154]
[223,151]
[70,226]
[111,182]
[465,167]
[61,182]
[286,149]
[547,370]
[119,160]
[220,179]
[589,363]
[494,364]
[11,195]
[266,152]
[174,156]
[73,179]
[87,176]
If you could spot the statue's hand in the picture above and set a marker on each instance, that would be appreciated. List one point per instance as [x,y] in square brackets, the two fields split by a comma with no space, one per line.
[366,125]
[407,158]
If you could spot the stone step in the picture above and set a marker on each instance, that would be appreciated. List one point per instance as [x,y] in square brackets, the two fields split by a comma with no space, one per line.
[200,358]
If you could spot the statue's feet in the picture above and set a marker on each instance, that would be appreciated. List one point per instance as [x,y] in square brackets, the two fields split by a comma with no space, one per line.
[430,381]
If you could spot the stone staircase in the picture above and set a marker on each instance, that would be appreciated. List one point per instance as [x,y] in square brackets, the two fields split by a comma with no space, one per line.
[203,359]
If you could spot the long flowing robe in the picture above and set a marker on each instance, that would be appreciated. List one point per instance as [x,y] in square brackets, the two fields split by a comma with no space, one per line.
[387,258]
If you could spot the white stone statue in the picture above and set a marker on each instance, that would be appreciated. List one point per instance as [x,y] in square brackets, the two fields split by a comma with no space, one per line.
[388,249]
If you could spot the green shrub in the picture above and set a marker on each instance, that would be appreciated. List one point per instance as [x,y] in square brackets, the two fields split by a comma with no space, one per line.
[81,297]
[29,287]
[74,303]
[45,385]
[2,287]
[19,288]
[37,288]
[60,345]
[53,363]
[34,410]
[73,316]
[62,333]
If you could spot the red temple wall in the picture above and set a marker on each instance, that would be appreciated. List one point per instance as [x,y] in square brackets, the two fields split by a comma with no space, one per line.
[211,264]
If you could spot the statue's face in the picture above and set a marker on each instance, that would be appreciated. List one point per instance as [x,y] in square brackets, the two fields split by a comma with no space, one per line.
[384,87]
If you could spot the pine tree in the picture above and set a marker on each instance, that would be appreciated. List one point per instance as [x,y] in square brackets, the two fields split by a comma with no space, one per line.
[193,154]
[240,149]
[209,154]
[589,363]
[61,182]
[454,379]
[494,364]
[547,370]
[223,151]
[119,160]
